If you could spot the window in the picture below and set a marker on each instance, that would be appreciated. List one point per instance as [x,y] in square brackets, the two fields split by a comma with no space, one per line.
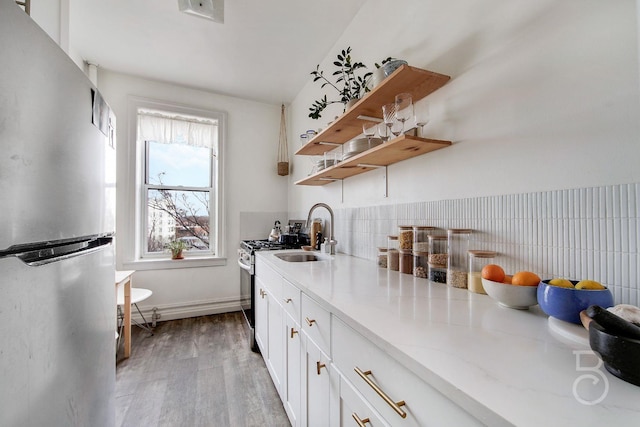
[179,188]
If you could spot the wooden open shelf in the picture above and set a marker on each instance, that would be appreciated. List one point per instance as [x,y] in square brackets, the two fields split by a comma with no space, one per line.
[416,81]
[402,148]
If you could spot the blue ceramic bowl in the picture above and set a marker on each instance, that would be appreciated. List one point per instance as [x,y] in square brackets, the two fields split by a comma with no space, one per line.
[567,303]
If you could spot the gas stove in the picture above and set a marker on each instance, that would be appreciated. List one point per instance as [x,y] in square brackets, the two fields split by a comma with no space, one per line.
[265,245]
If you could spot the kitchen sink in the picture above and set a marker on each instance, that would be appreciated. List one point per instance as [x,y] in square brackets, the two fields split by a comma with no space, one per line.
[297,257]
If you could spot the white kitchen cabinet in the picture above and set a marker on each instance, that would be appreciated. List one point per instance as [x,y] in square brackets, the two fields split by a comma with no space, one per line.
[316,323]
[270,323]
[351,409]
[292,384]
[316,382]
[392,390]
[261,318]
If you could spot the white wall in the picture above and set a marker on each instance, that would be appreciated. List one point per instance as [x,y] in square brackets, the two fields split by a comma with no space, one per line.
[543,96]
[251,180]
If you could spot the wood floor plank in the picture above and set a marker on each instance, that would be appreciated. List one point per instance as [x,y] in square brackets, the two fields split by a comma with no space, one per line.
[196,372]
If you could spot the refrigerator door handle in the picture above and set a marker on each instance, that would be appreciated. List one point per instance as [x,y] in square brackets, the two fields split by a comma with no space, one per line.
[48,252]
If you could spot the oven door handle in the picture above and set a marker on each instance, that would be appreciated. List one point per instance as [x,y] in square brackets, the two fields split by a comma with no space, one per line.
[244,266]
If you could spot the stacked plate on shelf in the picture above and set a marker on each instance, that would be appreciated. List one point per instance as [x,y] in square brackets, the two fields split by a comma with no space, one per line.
[323,164]
[359,145]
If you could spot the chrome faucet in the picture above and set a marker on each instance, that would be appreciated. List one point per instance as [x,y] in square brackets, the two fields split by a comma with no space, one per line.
[331,241]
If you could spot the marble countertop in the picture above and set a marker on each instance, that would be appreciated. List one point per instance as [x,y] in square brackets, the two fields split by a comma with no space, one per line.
[504,366]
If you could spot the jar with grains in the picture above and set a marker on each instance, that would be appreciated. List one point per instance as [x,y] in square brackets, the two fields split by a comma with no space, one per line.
[421,237]
[438,250]
[457,259]
[477,261]
[405,237]
[382,257]
[406,261]
[437,273]
[420,264]
[392,253]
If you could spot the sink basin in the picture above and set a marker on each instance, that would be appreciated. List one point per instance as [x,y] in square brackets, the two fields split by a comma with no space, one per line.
[297,257]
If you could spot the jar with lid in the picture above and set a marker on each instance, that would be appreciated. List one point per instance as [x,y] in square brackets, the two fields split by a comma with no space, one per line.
[420,237]
[477,260]
[421,264]
[437,273]
[438,250]
[393,259]
[405,237]
[457,259]
[405,261]
[382,257]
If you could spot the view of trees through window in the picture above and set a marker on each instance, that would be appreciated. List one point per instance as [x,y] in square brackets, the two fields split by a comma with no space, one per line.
[178,191]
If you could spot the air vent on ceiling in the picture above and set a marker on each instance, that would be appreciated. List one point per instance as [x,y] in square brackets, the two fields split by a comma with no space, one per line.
[208,9]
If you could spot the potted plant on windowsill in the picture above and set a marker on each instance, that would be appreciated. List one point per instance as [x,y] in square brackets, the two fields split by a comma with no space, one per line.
[176,247]
[350,84]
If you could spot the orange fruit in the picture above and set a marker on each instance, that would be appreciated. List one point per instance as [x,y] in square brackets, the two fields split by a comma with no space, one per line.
[507,279]
[492,272]
[525,278]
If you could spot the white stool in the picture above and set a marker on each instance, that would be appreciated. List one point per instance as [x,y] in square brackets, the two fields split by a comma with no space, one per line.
[137,295]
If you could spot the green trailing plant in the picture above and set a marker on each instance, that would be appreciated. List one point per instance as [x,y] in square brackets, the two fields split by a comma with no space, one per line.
[350,83]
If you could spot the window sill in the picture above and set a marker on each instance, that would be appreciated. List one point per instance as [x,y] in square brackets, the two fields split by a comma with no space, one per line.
[168,264]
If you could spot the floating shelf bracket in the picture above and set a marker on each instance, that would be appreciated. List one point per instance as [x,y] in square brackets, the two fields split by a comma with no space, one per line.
[370,118]
[385,176]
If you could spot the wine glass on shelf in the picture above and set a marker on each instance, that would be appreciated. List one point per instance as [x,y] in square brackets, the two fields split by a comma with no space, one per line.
[397,127]
[389,116]
[422,116]
[369,130]
[404,108]
[383,131]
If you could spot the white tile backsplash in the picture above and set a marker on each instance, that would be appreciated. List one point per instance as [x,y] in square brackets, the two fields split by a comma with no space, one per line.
[577,233]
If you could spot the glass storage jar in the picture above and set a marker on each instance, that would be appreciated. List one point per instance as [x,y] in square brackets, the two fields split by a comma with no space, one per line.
[438,250]
[457,259]
[405,261]
[405,237]
[437,273]
[421,237]
[392,253]
[421,264]
[382,257]
[477,260]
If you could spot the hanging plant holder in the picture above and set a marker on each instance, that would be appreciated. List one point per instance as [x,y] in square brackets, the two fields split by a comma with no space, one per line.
[283,148]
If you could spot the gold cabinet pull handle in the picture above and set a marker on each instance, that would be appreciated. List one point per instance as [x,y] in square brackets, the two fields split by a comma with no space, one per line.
[293,332]
[319,366]
[394,405]
[361,422]
[287,300]
[262,293]
[310,322]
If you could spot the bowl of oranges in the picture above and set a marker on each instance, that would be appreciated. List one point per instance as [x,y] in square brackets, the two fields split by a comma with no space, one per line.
[564,299]
[518,291]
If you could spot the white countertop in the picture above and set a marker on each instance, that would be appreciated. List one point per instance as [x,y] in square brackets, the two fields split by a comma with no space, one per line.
[496,362]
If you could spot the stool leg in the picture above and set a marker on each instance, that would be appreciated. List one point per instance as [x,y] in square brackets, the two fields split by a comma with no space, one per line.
[145,325]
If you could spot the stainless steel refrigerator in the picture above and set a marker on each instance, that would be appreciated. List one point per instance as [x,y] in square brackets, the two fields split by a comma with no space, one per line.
[57,196]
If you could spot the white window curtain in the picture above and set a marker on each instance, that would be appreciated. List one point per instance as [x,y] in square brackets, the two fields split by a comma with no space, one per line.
[153,126]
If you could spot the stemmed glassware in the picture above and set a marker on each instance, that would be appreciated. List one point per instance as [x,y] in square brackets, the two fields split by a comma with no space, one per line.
[383,131]
[422,116]
[389,115]
[369,130]
[404,108]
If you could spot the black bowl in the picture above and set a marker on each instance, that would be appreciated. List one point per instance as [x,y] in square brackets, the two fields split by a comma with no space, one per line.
[621,356]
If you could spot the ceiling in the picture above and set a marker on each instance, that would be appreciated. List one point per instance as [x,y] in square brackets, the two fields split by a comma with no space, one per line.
[264,51]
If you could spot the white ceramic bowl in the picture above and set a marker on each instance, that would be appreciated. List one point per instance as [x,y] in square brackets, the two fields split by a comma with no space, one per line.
[512,296]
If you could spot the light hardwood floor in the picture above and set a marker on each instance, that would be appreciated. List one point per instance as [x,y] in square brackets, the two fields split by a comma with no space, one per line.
[196,372]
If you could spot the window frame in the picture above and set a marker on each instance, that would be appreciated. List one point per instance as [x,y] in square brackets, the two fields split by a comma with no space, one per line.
[136,256]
